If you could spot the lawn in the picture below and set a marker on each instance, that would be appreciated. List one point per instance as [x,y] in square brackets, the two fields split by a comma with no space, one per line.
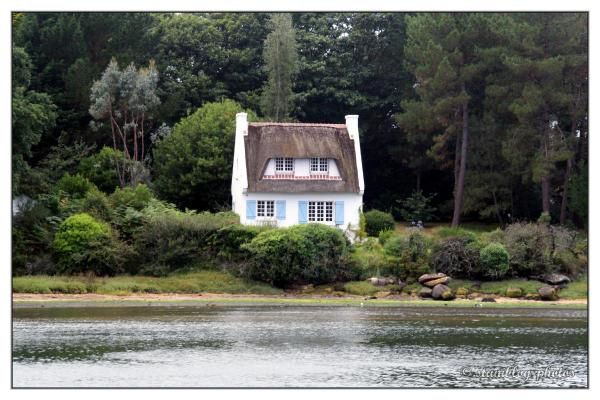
[191,282]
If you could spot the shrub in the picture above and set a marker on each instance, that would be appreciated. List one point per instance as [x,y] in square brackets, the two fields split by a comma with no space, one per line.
[136,198]
[32,237]
[368,259]
[377,221]
[417,207]
[494,261]
[409,255]
[385,235]
[100,168]
[311,253]
[83,244]
[96,204]
[530,248]
[460,233]
[172,240]
[454,257]
[227,242]
[74,186]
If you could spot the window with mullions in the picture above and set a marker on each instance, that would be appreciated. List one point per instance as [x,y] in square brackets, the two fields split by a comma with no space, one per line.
[320,211]
[284,164]
[265,208]
[318,164]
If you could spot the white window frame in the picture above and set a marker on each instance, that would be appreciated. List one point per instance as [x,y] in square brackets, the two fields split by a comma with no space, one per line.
[321,211]
[284,165]
[265,209]
[319,165]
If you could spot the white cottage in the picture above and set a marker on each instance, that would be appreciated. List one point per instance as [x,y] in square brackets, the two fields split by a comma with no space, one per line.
[291,173]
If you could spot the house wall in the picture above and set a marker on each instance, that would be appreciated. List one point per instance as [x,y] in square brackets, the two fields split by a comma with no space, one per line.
[352,206]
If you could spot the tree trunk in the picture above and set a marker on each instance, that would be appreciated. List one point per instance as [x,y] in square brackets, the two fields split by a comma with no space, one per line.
[563,204]
[497,209]
[546,194]
[460,185]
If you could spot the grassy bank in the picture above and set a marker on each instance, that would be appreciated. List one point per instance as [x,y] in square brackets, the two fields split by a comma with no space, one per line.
[194,282]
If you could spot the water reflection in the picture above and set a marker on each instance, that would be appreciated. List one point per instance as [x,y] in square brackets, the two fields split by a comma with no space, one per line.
[291,346]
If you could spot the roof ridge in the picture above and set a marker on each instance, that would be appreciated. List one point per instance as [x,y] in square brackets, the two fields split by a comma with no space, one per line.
[331,125]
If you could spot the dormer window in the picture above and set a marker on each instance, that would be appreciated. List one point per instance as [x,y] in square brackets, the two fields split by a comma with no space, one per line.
[318,164]
[284,164]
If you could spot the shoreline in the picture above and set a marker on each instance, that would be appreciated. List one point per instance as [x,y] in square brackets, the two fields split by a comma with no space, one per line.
[27,300]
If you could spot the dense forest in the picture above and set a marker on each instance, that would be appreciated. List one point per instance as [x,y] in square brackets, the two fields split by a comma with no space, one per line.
[482,116]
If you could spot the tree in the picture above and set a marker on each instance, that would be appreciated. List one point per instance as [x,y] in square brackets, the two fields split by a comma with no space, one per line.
[281,64]
[33,114]
[192,166]
[126,98]
[441,53]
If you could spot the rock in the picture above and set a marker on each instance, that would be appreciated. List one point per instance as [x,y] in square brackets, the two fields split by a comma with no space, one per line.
[425,292]
[381,281]
[429,277]
[513,292]
[442,292]
[488,300]
[555,279]
[462,291]
[532,296]
[548,293]
[435,282]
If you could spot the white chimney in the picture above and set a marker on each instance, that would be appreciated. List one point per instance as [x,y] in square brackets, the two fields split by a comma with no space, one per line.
[241,123]
[352,125]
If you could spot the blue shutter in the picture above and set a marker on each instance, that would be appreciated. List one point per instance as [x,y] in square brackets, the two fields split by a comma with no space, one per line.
[339,213]
[250,209]
[280,209]
[302,212]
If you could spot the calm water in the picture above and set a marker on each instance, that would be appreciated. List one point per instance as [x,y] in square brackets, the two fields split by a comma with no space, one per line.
[296,346]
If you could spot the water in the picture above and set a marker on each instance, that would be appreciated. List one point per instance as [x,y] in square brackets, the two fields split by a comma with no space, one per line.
[275,346]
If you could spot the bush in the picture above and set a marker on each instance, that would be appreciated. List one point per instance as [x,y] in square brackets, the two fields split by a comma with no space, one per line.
[460,233]
[172,240]
[227,242]
[368,259]
[530,247]
[100,168]
[136,198]
[74,186]
[311,253]
[454,257]
[494,261]
[96,204]
[32,238]
[386,235]
[377,221]
[409,255]
[83,244]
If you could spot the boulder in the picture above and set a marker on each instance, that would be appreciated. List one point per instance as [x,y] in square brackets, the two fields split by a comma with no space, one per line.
[442,292]
[429,277]
[435,282]
[377,281]
[556,279]
[425,292]
[548,293]
[462,291]
[513,292]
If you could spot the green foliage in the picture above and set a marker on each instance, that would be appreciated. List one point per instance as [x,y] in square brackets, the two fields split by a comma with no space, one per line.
[544,218]
[96,203]
[448,232]
[32,237]
[368,259]
[494,261]
[228,241]
[377,221]
[74,186]
[100,168]
[360,288]
[173,240]
[417,207]
[455,258]
[311,253]
[280,57]
[84,244]
[192,166]
[386,235]
[578,192]
[530,248]
[409,255]
[136,197]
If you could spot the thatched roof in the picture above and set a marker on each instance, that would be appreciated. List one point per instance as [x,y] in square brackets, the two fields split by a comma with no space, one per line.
[266,140]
